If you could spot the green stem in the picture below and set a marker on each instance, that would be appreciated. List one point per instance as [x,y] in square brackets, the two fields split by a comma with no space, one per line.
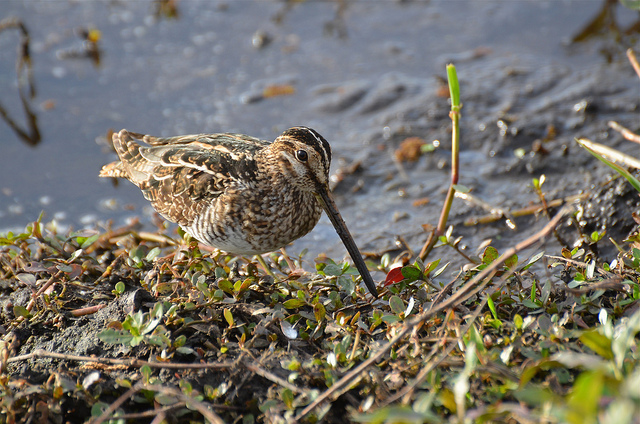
[454,91]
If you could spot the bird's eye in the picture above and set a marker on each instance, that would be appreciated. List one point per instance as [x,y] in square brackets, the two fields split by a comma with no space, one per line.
[302,155]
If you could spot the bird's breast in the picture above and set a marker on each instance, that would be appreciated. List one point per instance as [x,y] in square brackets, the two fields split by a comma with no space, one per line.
[250,220]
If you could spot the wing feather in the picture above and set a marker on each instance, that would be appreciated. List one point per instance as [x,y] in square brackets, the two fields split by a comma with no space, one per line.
[182,176]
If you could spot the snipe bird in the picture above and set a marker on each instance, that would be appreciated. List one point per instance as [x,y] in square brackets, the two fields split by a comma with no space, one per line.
[234,192]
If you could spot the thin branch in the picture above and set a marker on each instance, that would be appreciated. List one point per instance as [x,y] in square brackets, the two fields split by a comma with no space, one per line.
[626,133]
[117,403]
[580,264]
[634,61]
[254,368]
[609,284]
[527,210]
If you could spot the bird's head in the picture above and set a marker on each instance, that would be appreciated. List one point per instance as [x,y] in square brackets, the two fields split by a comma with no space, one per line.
[304,157]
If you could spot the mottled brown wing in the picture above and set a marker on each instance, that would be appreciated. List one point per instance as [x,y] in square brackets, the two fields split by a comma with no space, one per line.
[182,176]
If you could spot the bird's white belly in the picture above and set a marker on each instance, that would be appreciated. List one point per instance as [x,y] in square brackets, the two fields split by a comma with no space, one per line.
[234,242]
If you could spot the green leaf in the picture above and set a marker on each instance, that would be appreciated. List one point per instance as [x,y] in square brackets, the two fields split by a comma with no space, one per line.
[319,311]
[287,398]
[85,242]
[133,322]
[226,286]
[411,273]
[533,291]
[631,4]
[112,336]
[585,397]
[220,272]
[423,403]
[530,304]
[236,286]
[228,316]
[624,342]
[153,253]
[145,370]
[65,268]
[137,253]
[218,295]
[186,387]
[489,255]
[597,342]
[180,341]
[123,382]
[245,285]
[98,408]
[293,303]
[535,258]
[427,148]
[396,304]
[591,147]
[518,321]
[431,266]
[332,270]
[346,284]
[535,395]
[454,86]
[346,268]
[21,311]
[440,270]
[266,406]
[492,307]
[461,188]
[390,319]
[536,183]
[511,261]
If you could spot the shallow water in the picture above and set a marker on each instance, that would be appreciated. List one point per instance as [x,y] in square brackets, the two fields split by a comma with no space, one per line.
[366,75]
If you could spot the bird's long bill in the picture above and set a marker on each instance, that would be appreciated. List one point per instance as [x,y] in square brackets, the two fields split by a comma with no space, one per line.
[341,228]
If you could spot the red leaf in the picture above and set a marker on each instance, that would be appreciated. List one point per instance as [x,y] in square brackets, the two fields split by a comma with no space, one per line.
[394,276]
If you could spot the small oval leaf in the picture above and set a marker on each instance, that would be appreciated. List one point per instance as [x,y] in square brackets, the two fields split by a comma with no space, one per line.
[411,272]
[396,304]
[319,311]
[489,255]
[228,316]
[394,276]
[21,311]
[293,303]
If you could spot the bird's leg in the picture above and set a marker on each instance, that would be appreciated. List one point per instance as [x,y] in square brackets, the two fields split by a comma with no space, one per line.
[266,267]
[288,260]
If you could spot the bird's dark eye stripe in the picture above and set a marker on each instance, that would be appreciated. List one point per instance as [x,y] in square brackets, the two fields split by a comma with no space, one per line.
[314,140]
[323,147]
